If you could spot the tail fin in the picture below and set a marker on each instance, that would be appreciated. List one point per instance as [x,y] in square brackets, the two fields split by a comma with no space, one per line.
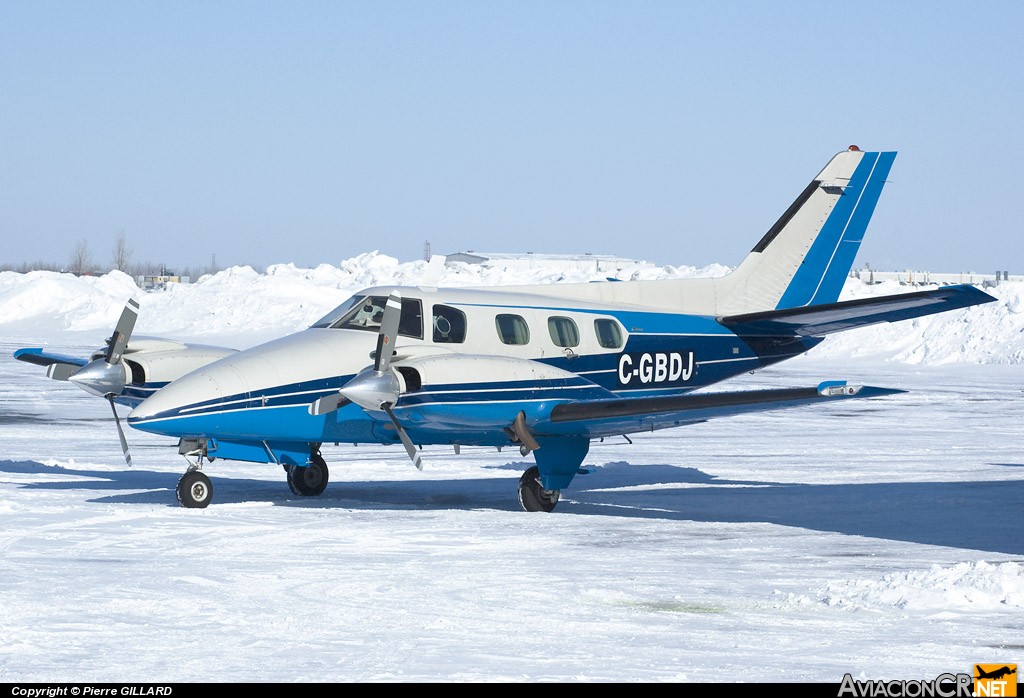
[805,257]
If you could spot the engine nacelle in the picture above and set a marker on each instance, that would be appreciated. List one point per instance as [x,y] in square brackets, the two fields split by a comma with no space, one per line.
[156,360]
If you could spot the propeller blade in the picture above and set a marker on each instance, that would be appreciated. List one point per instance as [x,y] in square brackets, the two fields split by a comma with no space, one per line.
[522,433]
[388,332]
[410,448]
[327,404]
[122,331]
[120,432]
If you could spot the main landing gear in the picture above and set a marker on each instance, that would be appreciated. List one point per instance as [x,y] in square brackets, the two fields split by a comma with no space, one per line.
[532,495]
[308,480]
[558,461]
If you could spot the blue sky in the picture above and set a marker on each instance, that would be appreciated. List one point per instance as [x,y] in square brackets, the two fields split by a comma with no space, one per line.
[674,132]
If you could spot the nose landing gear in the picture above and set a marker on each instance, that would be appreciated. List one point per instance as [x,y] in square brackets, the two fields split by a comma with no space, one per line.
[195,491]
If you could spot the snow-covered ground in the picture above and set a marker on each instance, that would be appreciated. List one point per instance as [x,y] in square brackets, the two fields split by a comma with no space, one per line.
[881,538]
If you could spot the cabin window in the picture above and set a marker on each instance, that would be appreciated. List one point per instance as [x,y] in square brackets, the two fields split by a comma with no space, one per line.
[512,329]
[368,313]
[563,331]
[449,325]
[609,336]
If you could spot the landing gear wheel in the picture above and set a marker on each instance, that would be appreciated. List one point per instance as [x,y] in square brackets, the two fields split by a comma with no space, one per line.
[194,490]
[532,496]
[308,480]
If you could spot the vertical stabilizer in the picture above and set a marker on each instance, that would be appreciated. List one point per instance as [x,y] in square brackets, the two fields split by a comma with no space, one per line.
[805,258]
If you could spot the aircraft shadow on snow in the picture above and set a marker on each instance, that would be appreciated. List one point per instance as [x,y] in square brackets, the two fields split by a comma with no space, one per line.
[976,515]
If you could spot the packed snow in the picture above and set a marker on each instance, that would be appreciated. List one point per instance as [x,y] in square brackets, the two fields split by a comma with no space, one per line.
[880,538]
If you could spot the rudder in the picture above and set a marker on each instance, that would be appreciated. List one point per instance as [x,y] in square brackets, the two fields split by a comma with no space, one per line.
[805,258]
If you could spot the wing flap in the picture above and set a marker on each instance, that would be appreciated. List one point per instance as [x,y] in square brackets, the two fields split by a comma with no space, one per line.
[820,320]
[622,415]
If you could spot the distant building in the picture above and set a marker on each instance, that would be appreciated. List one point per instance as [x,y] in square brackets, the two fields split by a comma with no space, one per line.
[928,278]
[158,282]
[530,260]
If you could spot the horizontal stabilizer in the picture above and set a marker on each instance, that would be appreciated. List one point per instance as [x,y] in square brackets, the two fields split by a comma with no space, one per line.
[820,320]
[40,357]
[696,407]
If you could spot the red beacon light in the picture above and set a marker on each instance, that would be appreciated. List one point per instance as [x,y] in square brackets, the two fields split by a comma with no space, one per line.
[854,148]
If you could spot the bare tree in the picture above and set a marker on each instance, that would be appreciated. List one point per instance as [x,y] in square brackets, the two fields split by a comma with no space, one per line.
[81,258]
[122,253]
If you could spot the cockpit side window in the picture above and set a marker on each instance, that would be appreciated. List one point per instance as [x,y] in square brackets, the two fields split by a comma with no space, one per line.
[368,312]
[411,323]
[449,325]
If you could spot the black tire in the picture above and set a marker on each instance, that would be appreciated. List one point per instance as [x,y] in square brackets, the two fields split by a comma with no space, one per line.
[308,480]
[533,497]
[195,491]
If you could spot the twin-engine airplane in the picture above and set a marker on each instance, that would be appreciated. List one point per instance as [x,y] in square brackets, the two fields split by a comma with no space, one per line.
[545,368]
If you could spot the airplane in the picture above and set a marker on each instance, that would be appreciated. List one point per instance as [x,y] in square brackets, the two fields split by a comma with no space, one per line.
[995,674]
[545,368]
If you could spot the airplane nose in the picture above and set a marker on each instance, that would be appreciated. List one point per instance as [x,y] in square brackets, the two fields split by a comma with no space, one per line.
[218,398]
[206,388]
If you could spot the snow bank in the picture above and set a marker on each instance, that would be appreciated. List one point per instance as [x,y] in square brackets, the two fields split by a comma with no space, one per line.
[992,333]
[241,303]
[966,586]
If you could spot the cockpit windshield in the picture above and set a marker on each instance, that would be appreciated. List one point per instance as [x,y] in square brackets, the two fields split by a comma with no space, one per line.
[367,312]
[330,318]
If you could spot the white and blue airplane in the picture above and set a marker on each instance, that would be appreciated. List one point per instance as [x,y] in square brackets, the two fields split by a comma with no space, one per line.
[546,368]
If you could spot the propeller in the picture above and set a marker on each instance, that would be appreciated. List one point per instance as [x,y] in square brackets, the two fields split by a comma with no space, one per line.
[107,376]
[377,387]
[521,433]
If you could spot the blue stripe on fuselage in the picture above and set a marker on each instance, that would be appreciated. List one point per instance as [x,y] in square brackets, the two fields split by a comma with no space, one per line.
[471,412]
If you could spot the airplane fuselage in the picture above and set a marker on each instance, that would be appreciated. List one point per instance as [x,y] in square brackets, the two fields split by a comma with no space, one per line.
[469,361]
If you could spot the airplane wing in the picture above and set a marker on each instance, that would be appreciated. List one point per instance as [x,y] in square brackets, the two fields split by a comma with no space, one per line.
[58,366]
[40,357]
[614,416]
[820,320]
